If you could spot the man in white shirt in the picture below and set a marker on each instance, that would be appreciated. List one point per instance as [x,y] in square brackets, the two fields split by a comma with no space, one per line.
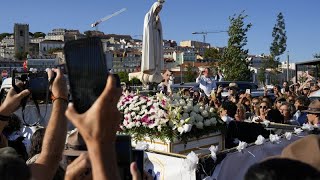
[207,83]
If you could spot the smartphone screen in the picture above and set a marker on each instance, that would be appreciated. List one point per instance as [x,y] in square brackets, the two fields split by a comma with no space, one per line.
[124,149]
[87,71]
[248,91]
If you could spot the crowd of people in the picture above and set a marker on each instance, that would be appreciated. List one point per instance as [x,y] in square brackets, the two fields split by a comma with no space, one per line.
[93,155]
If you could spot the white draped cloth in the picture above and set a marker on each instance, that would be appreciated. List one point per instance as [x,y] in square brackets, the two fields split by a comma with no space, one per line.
[152,48]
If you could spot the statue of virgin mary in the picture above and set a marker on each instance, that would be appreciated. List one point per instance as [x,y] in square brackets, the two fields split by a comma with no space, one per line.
[152,48]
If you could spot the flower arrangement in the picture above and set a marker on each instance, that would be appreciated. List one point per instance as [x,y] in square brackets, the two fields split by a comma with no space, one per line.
[164,118]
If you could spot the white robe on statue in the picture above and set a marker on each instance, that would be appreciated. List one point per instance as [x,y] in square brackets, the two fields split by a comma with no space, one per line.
[152,48]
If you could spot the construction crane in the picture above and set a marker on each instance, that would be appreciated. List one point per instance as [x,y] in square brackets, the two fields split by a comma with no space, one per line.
[95,24]
[206,33]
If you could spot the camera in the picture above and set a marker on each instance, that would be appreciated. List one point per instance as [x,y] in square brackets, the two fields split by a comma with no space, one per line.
[36,82]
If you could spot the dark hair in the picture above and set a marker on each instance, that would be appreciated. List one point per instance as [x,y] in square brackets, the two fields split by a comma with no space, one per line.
[281,169]
[36,142]
[304,101]
[230,107]
[14,124]
[12,167]
[274,115]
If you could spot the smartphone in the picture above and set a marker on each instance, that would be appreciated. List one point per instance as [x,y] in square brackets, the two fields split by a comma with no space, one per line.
[87,71]
[124,155]
[248,91]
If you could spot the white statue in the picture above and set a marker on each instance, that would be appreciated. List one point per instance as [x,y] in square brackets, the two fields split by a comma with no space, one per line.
[152,50]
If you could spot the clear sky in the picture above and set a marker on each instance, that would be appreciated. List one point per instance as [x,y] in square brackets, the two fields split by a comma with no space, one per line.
[179,19]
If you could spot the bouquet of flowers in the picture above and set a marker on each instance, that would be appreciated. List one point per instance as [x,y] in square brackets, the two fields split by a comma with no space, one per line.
[175,118]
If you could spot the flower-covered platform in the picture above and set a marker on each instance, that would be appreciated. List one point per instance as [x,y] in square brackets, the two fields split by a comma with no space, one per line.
[174,124]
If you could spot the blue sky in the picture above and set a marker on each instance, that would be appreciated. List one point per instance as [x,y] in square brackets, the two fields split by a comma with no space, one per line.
[179,19]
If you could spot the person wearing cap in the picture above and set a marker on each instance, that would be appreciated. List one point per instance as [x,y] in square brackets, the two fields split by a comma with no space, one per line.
[313,113]
[207,83]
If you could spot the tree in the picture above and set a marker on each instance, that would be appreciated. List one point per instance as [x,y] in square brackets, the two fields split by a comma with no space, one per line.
[317,56]
[190,75]
[39,34]
[234,60]
[135,81]
[261,75]
[279,43]
[124,77]
[21,55]
[212,53]
[3,35]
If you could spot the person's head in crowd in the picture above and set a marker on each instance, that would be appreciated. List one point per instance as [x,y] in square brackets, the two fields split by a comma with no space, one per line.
[278,102]
[233,98]
[228,109]
[266,99]
[14,124]
[36,142]
[241,113]
[232,89]
[291,88]
[186,93]
[301,103]
[306,90]
[313,112]
[285,84]
[281,169]
[291,99]
[242,94]
[276,89]
[13,167]
[263,108]
[313,88]
[196,95]
[255,101]
[287,111]
[203,99]
[206,72]
[274,115]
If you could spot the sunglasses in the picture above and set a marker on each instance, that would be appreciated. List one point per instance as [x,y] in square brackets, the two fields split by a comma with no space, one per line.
[263,107]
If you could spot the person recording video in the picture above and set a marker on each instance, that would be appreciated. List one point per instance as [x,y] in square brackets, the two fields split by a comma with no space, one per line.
[207,83]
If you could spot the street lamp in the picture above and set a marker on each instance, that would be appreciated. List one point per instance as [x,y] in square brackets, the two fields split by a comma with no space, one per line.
[287,66]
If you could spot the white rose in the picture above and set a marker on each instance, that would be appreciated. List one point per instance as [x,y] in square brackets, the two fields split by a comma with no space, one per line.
[143,107]
[126,111]
[211,110]
[185,115]
[213,121]
[207,123]
[133,114]
[205,113]
[187,127]
[201,108]
[199,125]
[125,123]
[138,124]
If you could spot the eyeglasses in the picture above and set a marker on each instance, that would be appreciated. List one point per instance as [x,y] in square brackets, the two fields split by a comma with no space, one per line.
[263,107]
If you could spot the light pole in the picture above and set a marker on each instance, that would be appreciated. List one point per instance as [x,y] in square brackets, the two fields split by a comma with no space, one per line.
[287,66]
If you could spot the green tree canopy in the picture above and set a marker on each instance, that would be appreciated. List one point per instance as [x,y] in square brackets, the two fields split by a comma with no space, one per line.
[124,77]
[39,34]
[212,53]
[279,43]
[234,61]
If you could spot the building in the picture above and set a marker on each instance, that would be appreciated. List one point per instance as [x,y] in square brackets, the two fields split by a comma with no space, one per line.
[194,44]
[21,38]
[64,35]
[7,47]
[47,45]
[126,61]
[42,64]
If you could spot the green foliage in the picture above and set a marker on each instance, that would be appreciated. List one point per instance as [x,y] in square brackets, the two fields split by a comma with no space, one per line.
[135,81]
[51,51]
[212,53]
[261,75]
[279,44]
[3,35]
[234,63]
[190,75]
[21,55]
[316,55]
[124,77]
[39,34]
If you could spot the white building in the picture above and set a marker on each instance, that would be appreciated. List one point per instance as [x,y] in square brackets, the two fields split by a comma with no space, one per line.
[42,64]
[47,45]
[7,47]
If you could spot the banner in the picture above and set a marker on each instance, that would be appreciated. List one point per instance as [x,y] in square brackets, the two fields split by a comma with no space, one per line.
[163,167]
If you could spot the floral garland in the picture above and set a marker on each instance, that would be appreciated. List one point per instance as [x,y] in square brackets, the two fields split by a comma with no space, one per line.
[164,118]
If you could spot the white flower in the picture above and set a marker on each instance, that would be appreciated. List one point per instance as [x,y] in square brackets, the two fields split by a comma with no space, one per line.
[241,146]
[126,110]
[274,138]
[125,123]
[187,127]
[288,135]
[199,125]
[133,114]
[185,115]
[205,113]
[201,108]
[213,121]
[213,149]
[143,107]
[297,130]
[207,123]
[260,140]
[307,127]
[196,108]
[211,110]
[191,161]
[142,146]
[130,125]
[180,130]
